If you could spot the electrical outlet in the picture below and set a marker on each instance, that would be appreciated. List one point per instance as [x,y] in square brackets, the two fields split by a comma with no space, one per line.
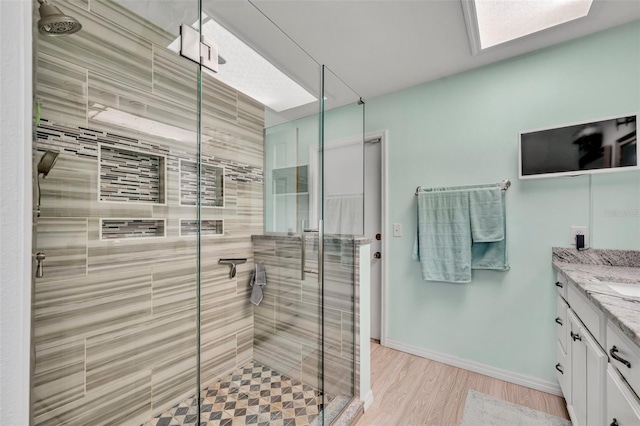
[397,230]
[579,230]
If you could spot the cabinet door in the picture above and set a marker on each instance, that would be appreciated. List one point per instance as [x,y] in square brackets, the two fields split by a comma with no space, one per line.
[596,361]
[623,407]
[563,371]
[578,354]
[561,322]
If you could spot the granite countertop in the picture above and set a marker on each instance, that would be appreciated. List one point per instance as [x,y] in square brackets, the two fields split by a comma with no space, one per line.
[592,270]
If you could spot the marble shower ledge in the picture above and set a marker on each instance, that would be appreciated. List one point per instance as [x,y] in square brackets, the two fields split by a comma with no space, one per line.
[622,266]
[358,241]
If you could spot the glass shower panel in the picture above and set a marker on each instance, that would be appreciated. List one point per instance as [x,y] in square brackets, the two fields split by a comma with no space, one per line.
[115,148]
[259,360]
[342,200]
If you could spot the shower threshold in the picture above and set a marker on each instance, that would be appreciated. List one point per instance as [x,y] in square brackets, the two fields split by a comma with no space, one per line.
[252,395]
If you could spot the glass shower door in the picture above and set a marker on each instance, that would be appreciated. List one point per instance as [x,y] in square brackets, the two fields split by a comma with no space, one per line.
[341,208]
[116,237]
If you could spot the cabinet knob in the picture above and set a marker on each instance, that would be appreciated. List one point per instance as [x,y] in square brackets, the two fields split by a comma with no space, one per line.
[558,320]
[614,423]
[559,368]
[614,354]
[558,284]
[575,336]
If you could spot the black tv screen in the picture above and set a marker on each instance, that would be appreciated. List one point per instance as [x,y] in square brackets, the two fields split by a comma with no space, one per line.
[590,147]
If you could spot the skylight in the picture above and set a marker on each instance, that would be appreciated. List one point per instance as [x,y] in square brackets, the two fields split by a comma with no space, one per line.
[500,21]
[250,73]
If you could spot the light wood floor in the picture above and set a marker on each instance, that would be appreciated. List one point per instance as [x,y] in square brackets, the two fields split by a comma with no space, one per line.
[409,390]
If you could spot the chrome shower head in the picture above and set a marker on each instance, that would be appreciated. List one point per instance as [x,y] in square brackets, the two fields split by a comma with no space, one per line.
[46,163]
[55,23]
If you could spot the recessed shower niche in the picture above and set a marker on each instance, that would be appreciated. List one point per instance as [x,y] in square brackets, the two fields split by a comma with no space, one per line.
[211,184]
[208,227]
[111,229]
[131,176]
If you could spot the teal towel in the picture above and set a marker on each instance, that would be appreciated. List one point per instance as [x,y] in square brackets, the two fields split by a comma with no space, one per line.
[488,229]
[487,215]
[443,240]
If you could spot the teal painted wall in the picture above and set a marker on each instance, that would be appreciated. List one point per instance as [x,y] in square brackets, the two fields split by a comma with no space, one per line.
[464,130]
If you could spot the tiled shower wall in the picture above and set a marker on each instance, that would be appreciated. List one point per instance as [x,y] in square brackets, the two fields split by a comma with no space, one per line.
[287,334]
[115,317]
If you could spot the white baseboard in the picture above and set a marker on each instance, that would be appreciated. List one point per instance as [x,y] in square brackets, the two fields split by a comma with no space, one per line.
[476,367]
[368,400]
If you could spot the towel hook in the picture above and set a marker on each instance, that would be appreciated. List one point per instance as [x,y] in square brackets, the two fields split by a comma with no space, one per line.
[233,262]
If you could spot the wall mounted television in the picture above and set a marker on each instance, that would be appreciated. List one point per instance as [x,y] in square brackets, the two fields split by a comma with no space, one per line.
[601,146]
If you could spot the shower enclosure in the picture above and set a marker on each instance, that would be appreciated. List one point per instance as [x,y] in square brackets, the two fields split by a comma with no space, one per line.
[151,170]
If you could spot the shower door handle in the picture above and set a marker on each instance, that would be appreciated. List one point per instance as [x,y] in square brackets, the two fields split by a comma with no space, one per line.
[320,252]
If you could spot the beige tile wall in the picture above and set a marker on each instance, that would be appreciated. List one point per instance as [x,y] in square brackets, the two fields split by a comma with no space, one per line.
[115,321]
[287,323]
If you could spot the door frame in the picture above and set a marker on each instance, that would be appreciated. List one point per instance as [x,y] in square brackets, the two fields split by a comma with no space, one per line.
[384,212]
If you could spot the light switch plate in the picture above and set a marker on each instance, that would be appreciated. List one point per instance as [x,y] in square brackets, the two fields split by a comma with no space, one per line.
[397,230]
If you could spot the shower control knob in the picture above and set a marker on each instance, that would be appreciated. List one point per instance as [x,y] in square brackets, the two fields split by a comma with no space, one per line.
[40,256]
[377,255]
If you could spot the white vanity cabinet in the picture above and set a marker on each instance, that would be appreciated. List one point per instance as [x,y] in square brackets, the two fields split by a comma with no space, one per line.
[595,391]
[588,363]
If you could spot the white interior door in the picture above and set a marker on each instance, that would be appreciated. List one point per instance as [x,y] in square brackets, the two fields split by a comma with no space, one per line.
[373,226]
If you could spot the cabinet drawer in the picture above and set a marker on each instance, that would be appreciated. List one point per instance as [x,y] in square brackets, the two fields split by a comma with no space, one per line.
[622,404]
[563,371]
[625,350]
[561,285]
[590,316]
[561,322]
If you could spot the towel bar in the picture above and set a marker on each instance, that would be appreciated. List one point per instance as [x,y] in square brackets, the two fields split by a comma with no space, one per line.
[233,262]
[505,184]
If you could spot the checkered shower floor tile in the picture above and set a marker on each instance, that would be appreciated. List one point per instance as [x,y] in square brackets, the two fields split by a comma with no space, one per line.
[251,395]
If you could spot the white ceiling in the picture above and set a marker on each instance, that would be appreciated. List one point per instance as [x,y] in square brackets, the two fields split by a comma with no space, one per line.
[375,47]
[379,47]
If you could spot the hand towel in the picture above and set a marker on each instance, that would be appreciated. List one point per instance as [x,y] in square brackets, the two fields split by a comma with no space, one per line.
[487,215]
[443,238]
[258,281]
[488,229]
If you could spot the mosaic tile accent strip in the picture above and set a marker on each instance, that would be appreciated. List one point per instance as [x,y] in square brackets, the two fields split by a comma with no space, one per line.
[189,227]
[129,176]
[252,395]
[211,185]
[132,228]
[83,142]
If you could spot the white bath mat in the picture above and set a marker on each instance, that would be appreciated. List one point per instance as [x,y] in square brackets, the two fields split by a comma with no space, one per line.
[484,410]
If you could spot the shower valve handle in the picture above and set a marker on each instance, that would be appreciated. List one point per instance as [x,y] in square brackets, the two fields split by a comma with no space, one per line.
[40,256]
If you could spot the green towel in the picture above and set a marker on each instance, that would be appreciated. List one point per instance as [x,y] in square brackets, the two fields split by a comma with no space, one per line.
[443,240]
[459,230]
[488,229]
